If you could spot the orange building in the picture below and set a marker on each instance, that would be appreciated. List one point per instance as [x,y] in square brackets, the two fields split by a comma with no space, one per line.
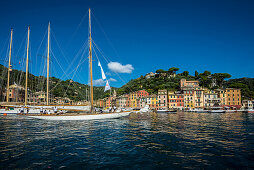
[233,98]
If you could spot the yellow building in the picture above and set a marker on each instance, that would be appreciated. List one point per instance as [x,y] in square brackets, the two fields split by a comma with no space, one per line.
[222,96]
[188,97]
[172,100]
[152,101]
[133,100]
[198,97]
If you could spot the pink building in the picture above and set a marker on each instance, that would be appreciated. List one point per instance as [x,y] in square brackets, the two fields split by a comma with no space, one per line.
[162,99]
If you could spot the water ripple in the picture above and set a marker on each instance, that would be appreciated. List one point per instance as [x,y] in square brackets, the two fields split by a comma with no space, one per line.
[150,141]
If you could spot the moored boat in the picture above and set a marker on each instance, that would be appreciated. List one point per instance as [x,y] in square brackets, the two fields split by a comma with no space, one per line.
[216,111]
[166,111]
[82,117]
[249,111]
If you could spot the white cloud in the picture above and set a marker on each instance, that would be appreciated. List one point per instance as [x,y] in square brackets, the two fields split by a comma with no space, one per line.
[112,80]
[100,82]
[119,68]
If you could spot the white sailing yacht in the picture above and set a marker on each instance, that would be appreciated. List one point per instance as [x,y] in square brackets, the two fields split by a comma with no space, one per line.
[91,115]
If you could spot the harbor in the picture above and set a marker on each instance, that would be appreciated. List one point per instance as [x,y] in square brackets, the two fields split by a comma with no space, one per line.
[164,141]
[89,84]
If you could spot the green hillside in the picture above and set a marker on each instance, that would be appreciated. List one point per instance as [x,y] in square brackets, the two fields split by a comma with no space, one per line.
[170,80]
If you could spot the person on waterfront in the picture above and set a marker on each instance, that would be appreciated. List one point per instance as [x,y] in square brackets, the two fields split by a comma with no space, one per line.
[55,109]
[27,110]
[41,110]
[22,110]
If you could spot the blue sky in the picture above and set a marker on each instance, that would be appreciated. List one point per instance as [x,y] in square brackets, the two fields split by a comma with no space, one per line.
[138,36]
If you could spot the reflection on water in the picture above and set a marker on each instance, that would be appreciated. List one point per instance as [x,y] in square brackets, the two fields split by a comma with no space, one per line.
[182,140]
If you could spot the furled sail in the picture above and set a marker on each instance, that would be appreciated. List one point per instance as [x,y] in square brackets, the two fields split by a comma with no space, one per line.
[102,72]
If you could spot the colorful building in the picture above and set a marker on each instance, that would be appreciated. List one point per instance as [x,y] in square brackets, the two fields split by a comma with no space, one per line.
[133,100]
[142,93]
[152,102]
[188,97]
[198,97]
[247,104]
[222,96]
[180,101]
[189,84]
[233,98]
[172,100]
[122,101]
[142,101]
[211,99]
[162,99]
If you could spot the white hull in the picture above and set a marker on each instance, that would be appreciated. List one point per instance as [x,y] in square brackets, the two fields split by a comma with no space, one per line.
[16,111]
[216,111]
[83,117]
[9,111]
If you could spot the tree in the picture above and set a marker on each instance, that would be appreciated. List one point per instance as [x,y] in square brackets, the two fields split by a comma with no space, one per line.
[206,73]
[196,74]
[161,71]
[220,77]
[172,70]
[185,73]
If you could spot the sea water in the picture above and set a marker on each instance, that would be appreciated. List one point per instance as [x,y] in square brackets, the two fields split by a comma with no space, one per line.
[148,141]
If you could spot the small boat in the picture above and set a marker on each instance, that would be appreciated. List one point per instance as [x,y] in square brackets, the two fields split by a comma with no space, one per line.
[145,109]
[162,111]
[249,111]
[216,111]
[166,111]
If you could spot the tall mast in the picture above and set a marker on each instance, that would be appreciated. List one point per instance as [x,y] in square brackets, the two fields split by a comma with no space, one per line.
[9,69]
[27,54]
[90,59]
[48,65]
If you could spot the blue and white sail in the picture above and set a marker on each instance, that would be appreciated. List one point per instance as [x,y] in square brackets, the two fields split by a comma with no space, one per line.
[107,87]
